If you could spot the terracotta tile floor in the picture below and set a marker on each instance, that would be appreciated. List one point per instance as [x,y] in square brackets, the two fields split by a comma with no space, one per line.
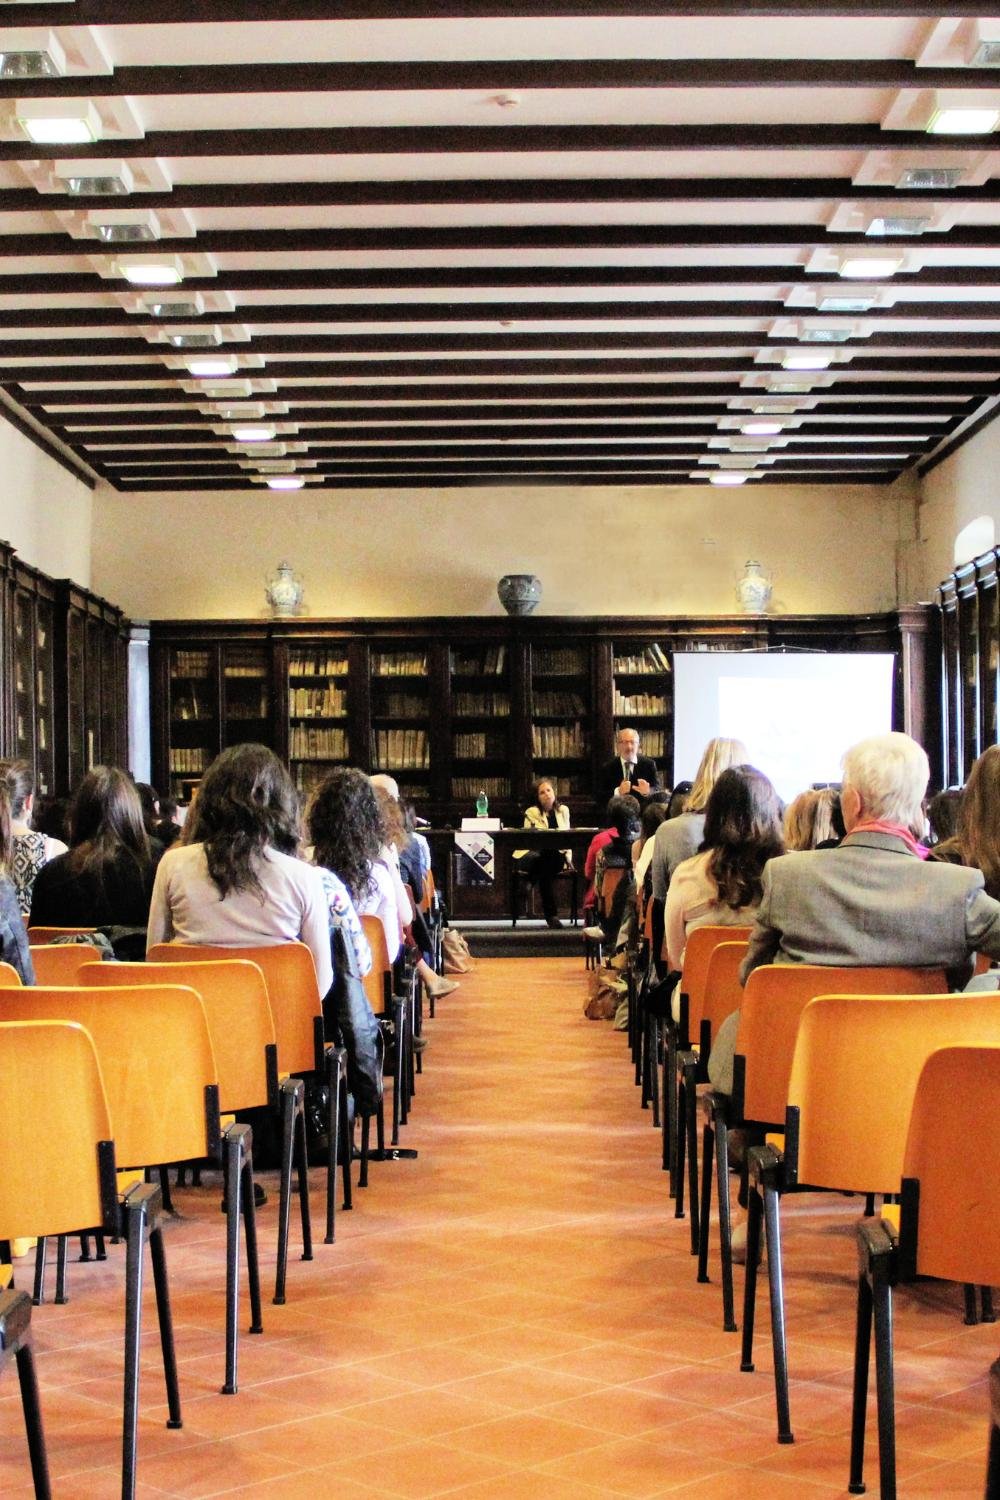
[513,1315]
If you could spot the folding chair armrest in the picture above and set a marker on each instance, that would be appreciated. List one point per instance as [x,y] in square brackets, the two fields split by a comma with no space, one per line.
[766,1165]
[876,1238]
[716,1106]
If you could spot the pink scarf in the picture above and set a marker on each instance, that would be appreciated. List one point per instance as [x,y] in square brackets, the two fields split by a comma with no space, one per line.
[896,830]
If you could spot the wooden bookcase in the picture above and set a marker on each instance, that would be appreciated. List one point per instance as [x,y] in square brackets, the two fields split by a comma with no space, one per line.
[63,658]
[451,706]
[970,665]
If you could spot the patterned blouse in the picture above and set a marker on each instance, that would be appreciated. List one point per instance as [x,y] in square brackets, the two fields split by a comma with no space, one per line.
[30,854]
[344,916]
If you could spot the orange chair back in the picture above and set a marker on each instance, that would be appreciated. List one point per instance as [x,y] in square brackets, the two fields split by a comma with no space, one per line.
[701,943]
[61,963]
[854,1074]
[292,989]
[9,977]
[429,888]
[240,1025]
[723,992]
[378,981]
[773,1001]
[46,934]
[156,1060]
[55,1111]
[951,1155]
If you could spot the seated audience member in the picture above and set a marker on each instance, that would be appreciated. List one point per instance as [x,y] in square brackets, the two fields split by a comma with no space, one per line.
[800,820]
[394,846]
[677,802]
[236,880]
[168,829]
[877,899]
[50,815]
[976,840]
[30,847]
[680,837]
[105,878]
[629,773]
[14,948]
[653,814]
[602,837]
[942,816]
[150,799]
[722,885]
[617,855]
[543,865]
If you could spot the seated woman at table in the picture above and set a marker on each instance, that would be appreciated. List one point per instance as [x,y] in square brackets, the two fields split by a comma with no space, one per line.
[541,866]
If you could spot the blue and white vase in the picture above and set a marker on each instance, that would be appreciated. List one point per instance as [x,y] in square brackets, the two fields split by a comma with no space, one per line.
[284,591]
[753,589]
[519,593]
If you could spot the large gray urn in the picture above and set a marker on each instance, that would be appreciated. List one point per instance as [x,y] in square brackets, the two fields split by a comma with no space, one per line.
[519,593]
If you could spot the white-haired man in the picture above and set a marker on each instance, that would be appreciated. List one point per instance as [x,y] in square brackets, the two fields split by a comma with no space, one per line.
[875,899]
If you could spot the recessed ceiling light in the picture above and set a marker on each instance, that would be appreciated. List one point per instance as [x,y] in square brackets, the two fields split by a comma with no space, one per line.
[806,362]
[210,338]
[254,434]
[124,226]
[870,266]
[727,477]
[191,306]
[286,482]
[884,224]
[58,122]
[208,369]
[846,304]
[760,429]
[828,335]
[47,64]
[931,179]
[962,120]
[164,271]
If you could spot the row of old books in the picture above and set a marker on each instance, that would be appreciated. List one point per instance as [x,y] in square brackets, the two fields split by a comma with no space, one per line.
[317,703]
[402,749]
[311,742]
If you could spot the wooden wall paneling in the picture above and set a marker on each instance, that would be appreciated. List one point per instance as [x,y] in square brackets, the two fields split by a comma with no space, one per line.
[987,647]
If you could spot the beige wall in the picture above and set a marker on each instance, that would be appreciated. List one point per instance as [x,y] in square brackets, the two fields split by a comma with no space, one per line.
[965,486]
[44,512]
[601,551]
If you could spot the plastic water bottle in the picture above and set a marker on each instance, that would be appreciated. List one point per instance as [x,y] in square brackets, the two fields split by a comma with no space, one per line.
[482,805]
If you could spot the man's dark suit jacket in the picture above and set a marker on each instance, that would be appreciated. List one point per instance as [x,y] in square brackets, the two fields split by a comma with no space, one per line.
[610,776]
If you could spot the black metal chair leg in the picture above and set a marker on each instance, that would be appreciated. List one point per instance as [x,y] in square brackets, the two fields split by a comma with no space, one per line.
[772,1223]
[165,1319]
[346,1135]
[250,1236]
[987,1315]
[971,1305]
[679,1131]
[653,1052]
[232,1166]
[755,1213]
[691,1130]
[168,1203]
[725,1224]
[882,1310]
[707,1145]
[993,1460]
[135,1234]
[101,1252]
[84,1247]
[61,1248]
[289,1112]
[397,1082]
[303,1176]
[859,1406]
[41,1254]
[380,1130]
[665,1119]
[366,1135]
[670,1107]
[31,1405]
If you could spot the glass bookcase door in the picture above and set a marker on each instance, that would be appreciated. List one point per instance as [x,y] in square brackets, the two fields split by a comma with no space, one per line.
[642,688]
[246,695]
[318,736]
[400,717]
[76,695]
[193,716]
[24,676]
[561,723]
[45,779]
[481,754]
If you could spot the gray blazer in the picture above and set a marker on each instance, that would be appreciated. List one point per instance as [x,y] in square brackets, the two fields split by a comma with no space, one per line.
[675,840]
[870,901]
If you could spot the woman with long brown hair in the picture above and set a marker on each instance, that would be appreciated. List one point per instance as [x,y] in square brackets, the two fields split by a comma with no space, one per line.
[235,879]
[976,840]
[106,877]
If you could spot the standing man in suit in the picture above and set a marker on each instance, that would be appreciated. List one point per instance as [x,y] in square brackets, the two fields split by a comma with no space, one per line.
[629,774]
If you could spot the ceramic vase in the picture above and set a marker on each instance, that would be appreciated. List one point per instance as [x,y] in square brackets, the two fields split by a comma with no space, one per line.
[753,589]
[284,591]
[519,593]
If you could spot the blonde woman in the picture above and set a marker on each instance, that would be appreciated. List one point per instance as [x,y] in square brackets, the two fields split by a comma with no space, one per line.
[680,838]
[543,865]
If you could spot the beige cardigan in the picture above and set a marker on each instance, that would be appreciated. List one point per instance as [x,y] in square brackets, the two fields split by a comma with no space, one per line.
[535,818]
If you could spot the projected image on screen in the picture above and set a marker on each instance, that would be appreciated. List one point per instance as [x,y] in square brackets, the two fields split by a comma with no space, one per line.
[796,714]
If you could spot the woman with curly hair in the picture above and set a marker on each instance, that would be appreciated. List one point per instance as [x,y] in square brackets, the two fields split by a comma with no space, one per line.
[106,877]
[721,885]
[235,879]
